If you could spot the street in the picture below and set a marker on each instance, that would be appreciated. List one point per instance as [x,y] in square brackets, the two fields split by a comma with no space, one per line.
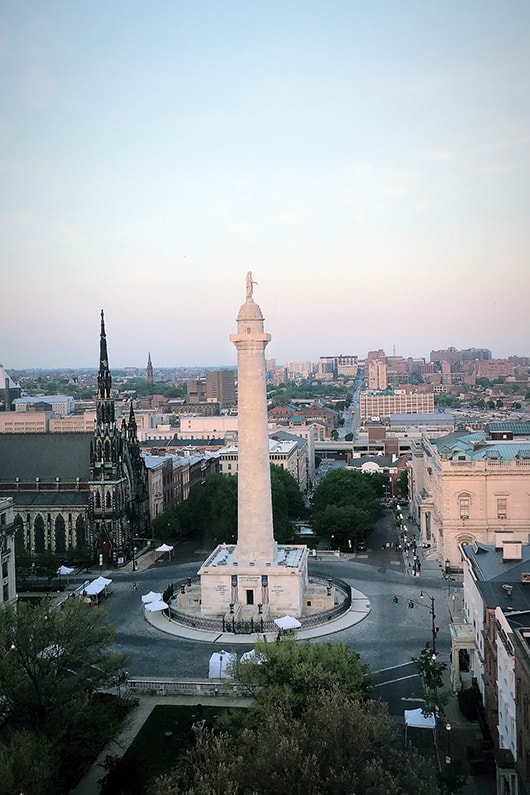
[386,640]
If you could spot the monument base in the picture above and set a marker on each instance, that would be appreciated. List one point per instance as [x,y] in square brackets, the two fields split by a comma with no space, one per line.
[257,588]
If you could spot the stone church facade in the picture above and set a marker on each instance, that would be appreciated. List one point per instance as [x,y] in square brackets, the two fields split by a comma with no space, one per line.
[79,490]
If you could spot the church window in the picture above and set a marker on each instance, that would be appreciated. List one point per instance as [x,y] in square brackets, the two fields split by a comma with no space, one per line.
[98,500]
[108,500]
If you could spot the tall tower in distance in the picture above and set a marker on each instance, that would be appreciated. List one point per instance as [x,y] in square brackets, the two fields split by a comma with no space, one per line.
[149,372]
[255,537]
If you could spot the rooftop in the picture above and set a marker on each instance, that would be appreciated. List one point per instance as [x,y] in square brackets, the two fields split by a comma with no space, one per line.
[286,556]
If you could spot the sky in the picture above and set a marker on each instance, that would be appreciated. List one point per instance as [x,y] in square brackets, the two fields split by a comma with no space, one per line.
[367,161]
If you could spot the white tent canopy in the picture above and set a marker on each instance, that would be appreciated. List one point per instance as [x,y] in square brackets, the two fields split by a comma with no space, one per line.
[63,571]
[287,622]
[251,656]
[152,596]
[417,720]
[221,665]
[164,548]
[97,586]
[156,607]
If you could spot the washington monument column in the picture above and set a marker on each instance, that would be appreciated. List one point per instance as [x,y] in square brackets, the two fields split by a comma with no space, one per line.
[255,538]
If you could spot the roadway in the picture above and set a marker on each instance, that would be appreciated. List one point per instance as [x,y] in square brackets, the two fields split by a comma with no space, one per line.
[386,640]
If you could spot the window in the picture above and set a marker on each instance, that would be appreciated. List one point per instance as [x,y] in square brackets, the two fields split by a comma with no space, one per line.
[464,507]
[502,503]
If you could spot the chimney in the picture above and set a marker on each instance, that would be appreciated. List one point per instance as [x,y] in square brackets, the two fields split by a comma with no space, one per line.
[512,550]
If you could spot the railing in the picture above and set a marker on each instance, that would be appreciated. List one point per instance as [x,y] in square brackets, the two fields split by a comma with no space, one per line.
[252,625]
[189,687]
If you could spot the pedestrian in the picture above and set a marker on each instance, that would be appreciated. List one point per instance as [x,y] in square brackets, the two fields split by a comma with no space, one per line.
[135,587]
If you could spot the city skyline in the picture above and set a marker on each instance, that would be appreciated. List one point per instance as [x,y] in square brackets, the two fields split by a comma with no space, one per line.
[369,164]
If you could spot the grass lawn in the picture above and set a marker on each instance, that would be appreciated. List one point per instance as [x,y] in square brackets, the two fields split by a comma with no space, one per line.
[165,735]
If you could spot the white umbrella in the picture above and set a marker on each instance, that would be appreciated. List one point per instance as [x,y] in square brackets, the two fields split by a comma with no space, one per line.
[151,597]
[155,607]
[287,622]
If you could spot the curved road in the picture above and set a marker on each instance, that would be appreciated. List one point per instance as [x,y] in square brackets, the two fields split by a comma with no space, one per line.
[386,640]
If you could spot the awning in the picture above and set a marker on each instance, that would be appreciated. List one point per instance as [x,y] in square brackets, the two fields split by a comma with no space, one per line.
[416,719]
[156,607]
[164,548]
[97,586]
[151,597]
[287,622]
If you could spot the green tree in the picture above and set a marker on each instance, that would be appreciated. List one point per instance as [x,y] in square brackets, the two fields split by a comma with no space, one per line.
[212,508]
[28,763]
[292,672]
[346,489]
[55,659]
[432,672]
[294,497]
[336,746]
[346,523]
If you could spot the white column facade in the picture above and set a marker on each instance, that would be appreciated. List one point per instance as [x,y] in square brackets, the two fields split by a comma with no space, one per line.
[255,536]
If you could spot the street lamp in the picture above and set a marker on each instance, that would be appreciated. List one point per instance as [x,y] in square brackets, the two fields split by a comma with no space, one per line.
[134,551]
[433,617]
[431,608]
[448,728]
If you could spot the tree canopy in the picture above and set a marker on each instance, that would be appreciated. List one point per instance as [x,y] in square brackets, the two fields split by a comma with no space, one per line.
[212,508]
[346,505]
[314,730]
[292,672]
[55,659]
[52,664]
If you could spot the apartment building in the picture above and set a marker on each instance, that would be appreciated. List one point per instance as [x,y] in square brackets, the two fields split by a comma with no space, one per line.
[282,453]
[376,375]
[491,649]
[59,405]
[401,401]
[466,487]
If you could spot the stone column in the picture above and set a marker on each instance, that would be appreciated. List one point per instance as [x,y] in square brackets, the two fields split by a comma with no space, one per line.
[255,538]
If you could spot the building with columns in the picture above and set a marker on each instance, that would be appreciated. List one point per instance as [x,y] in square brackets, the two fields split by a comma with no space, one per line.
[256,576]
[466,487]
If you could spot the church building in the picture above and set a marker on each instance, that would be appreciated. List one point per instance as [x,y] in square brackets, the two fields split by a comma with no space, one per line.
[79,490]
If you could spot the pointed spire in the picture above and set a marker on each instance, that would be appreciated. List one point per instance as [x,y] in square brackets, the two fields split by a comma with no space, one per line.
[149,372]
[132,430]
[105,411]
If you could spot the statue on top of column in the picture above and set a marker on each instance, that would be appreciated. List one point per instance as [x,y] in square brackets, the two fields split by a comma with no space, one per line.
[250,286]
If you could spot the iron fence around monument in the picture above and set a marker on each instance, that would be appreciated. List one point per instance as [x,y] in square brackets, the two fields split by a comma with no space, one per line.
[258,625]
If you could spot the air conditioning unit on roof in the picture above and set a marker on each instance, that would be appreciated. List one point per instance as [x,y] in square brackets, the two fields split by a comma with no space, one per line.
[525,576]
